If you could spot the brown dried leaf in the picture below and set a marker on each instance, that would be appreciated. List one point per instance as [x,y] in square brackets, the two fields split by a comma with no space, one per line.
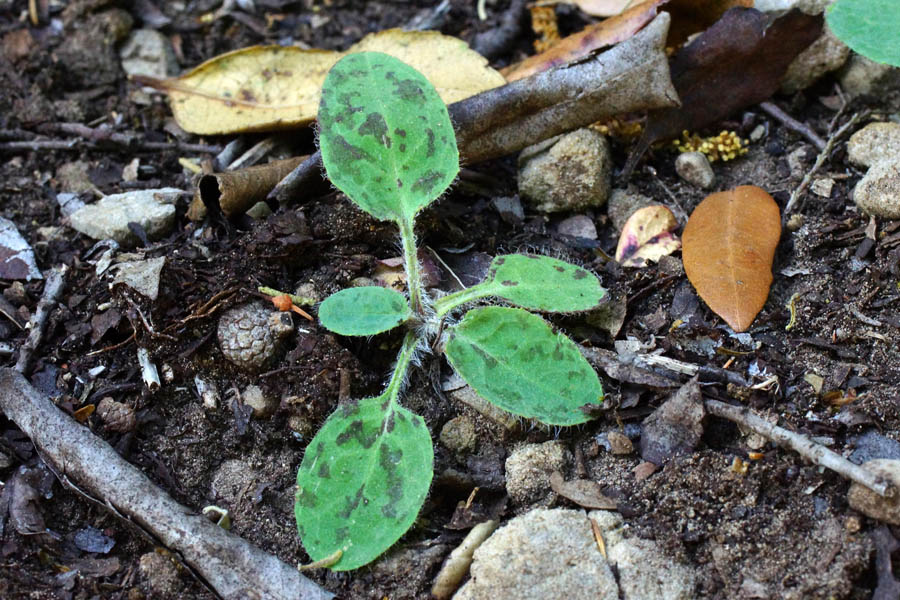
[675,427]
[729,243]
[603,8]
[647,236]
[583,492]
[264,88]
[737,62]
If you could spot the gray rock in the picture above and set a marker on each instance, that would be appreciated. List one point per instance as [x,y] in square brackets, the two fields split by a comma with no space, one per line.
[874,143]
[263,405]
[878,193]
[141,275]
[528,471]
[675,427]
[148,52]
[540,555]
[108,218]
[694,168]
[826,54]
[871,445]
[458,434]
[871,504]
[623,203]
[17,259]
[578,226]
[645,571]
[861,75]
[250,336]
[566,173]
[87,52]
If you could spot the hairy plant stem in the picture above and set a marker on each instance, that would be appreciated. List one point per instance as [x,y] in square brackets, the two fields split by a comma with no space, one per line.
[444,305]
[411,263]
[399,375]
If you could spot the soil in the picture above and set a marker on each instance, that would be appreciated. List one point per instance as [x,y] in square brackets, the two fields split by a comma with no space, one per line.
[782,529]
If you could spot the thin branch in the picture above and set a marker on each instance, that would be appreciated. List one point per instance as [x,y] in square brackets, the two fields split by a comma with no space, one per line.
[793,124]
[816,453]
[53,288]
[95,138]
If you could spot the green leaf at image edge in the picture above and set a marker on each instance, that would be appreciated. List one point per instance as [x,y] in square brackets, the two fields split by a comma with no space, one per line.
[362,482]
[385,136]
[870,27]
[543,283]
[363,311]
[514,360]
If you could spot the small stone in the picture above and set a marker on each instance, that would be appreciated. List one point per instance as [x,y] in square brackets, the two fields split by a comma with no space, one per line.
[230,479]
[458,434]
[824,55]
[795,222]
[566,173]
[675,427]
[148,52]
[619,443]
[872,445]
[694,168]
[16,294]
[581,226]
[822,186]
[301,426]
[250,336]
[539,555]
[861,75]
[509,208]
[141,275]
[646,572]
[528,471]
[878,193]
[871,504]
[116,416]
[263,405]
[161,575]
[87,53]
[796,160]
[758,132]
[874,143]
[72,177]
[108,218]
[623,203]
[671,265]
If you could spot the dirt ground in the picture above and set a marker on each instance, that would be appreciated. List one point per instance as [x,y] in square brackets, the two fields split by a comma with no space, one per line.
[783,529]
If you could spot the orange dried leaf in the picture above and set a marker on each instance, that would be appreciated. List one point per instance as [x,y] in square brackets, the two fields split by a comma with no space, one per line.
[81,415]
[647,236]
[282,302]
[729,243]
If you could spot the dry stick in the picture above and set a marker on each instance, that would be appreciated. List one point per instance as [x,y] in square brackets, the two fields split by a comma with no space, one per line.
[630,77]
[802,445]
[233,567]
[793,124]
[53,288]
[96,139]
[820,160]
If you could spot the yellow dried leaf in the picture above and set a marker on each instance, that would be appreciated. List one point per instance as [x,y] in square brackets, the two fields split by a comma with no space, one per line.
[265,88]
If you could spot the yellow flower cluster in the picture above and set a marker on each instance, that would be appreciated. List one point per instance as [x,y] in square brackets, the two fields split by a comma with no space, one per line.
[626,130]
[725,146]
[543,22]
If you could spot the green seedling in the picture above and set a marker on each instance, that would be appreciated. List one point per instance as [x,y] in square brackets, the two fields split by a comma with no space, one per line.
[869,27]
[388,144]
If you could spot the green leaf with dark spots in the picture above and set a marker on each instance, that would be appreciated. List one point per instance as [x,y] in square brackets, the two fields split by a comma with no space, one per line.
[543,283]
[385,136]
[363,311]
[362,482]
[514,360]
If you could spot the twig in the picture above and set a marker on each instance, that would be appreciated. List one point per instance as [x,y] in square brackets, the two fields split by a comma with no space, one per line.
[793,124]
[53,288]
[457,564]
[802,445]
[98,139]
[820,160]
[233,567]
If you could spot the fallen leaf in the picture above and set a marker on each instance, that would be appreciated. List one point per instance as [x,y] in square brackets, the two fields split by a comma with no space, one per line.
[264,88]
[737,62]
[647,236]
[583,492]
[729,243]
[688,17]
[16,256]
[675,427]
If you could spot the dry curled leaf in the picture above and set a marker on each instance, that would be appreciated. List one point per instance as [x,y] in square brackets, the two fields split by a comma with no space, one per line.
[729,243]
[647,235]
[264,88]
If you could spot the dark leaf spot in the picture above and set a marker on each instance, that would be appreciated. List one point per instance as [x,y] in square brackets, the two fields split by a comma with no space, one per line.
[509,283]
[580,274]
[324,471]
[351,503]
[376,126]
[425,184]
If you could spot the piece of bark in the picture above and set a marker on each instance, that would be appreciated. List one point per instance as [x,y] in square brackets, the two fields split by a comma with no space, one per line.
[675,427]
[583,492]
[235,192]
[632,76]
[737,62]
[233,567]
